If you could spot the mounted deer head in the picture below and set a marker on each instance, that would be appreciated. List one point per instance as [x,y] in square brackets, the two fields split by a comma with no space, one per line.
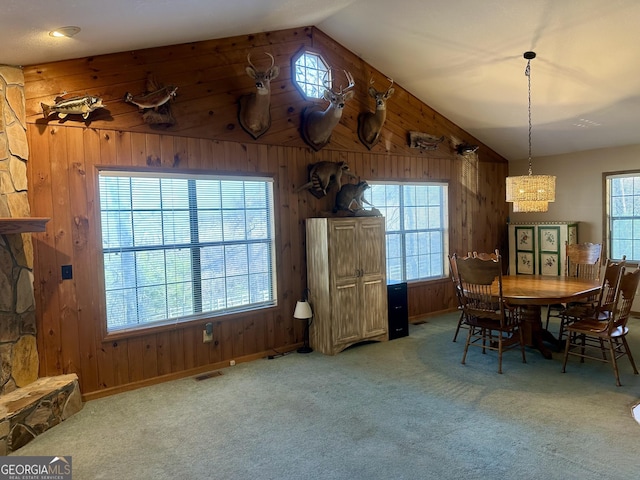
[316,125]
[370,123]
[253,112]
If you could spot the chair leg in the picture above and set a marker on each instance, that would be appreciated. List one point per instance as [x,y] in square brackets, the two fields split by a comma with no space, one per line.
[546,327]
[603,350]
[484,339]
[614,362]
[524,359]
[628,350]
[460,320]
[499,352]
[566,352]
[466,345]
[562,327]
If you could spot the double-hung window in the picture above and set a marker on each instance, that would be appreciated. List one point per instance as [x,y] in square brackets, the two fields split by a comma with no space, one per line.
[417,228]
[184,246]
[623,215]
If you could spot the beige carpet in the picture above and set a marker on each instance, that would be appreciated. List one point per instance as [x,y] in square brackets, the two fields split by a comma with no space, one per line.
[404,409]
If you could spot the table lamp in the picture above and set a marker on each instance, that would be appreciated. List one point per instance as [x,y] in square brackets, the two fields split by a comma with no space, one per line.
[303,312]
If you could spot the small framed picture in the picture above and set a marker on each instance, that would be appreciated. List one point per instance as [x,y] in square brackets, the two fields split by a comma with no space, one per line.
[549,239]
[525,263]
[549,264]
[524,239]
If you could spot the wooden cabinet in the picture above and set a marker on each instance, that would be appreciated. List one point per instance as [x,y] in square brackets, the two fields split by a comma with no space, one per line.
[346,277]
[538,248]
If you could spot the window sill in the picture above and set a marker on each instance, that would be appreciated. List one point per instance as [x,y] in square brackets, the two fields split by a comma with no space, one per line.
[141,331]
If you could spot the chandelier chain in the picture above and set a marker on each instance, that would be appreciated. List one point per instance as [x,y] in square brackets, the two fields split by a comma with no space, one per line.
[527,72]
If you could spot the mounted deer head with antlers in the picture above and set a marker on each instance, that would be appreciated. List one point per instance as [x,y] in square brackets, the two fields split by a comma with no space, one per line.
[370,123]
[317,125]
[253,112]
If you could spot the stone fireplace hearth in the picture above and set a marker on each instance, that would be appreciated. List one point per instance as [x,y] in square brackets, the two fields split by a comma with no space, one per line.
[28,405]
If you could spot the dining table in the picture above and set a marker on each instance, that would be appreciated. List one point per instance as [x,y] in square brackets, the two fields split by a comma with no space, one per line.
[532,292]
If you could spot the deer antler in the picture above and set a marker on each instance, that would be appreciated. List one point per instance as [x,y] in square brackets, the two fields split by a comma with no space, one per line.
[273,61]
[391,85]
[351,82]
[249,60]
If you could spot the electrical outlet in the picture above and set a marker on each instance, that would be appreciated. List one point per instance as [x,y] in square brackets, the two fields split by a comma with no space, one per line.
[207,337]
[67,272]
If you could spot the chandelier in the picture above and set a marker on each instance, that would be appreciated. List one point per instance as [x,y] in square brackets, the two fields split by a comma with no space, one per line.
[531,193]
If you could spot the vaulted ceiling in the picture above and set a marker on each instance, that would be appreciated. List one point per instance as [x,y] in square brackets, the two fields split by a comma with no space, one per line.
[464,58]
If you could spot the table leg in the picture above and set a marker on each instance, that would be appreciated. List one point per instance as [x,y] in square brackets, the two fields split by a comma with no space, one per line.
[534,334]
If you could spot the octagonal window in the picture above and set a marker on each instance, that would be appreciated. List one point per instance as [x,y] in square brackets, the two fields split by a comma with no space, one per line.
[311,74]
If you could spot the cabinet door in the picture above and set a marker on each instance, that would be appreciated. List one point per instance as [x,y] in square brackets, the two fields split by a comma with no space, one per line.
[345,314]
[343,253]
[371,248]
[374,307]
[344,268]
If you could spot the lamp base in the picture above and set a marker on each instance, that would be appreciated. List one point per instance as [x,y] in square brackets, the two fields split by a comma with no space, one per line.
[305,349]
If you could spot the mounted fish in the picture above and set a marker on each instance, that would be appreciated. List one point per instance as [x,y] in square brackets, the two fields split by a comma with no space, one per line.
[72,106]
[254,113]
[154,103]
[465,148]
[424,141]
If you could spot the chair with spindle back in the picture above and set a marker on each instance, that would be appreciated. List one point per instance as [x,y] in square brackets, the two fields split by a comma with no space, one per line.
[492,323]
[604,305]
[582,260]
[453,273]
[590,335]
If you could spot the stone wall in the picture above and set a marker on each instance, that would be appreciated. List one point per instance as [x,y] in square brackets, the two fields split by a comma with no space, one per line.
[18,351]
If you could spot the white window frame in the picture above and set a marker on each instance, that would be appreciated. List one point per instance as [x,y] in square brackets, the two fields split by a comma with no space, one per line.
[397,225]
[194,268]
[310,80]
[622,205]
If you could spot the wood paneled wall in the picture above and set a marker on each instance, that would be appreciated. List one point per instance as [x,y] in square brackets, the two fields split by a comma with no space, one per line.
[65,155]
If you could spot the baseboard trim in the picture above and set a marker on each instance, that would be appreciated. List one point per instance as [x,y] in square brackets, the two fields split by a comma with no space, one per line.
[86,397]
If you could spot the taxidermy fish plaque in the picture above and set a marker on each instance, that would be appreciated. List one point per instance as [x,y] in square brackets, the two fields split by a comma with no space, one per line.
[154,103]
[254,113]
[424,141]
[72,106]
[465,148]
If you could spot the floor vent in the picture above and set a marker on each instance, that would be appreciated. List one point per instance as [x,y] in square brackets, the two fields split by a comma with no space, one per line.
[204,376]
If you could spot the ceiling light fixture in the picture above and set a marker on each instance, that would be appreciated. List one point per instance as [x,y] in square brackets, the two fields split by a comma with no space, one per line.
[64,31]
[531,193]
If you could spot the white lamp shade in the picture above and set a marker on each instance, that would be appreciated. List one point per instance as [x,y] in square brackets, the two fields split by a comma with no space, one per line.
[303,310]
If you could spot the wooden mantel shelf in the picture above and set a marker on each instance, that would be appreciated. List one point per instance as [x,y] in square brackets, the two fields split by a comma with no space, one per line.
[22,224]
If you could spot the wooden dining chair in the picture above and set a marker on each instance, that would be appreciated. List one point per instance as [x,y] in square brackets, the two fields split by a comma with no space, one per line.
[453,273]
[582,260]
[603,307]
[590,336]
[493,324]
[454,277]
